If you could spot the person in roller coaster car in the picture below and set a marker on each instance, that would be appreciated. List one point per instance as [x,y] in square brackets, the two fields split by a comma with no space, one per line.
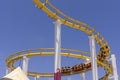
[74,68]
[104,51]
[66,70]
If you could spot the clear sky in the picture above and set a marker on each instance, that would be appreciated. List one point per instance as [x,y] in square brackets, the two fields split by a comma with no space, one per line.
[22,27]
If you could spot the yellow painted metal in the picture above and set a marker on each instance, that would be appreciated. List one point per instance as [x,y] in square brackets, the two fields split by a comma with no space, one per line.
[44,52]
[72,23]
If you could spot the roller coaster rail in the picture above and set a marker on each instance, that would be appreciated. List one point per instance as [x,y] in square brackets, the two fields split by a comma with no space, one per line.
[55,14]
[50,52]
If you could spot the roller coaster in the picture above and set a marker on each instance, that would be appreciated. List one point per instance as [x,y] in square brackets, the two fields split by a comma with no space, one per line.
[55,14]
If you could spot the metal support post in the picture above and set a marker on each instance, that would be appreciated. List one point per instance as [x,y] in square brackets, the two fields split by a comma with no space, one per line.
[37,78]
[8,70]
[113,59]
[83,76]
[25,64]
[57,50]
[93,58]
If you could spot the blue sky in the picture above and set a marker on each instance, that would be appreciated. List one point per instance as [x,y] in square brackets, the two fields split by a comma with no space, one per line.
[22,27]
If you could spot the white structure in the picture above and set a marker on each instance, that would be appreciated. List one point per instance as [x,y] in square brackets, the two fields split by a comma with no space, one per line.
[93,58]
[57,45]
[37,78]
[25,64]
[114,66]
[83,76]
[16,74]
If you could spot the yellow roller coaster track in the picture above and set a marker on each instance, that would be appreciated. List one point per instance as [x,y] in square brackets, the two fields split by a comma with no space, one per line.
[50,52]
[55,14]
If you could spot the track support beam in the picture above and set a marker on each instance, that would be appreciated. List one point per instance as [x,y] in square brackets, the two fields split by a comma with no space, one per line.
[37,78]
[83,76]
[93,57]
[57,74]
[25,64]
[114,66]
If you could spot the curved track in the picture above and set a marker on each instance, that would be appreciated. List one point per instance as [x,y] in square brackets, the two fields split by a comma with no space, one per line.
[55,14]
[72,23]
[43,52]
[50,52]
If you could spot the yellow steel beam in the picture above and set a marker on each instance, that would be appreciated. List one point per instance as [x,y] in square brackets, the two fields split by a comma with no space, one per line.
[72,23]
[15,57]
